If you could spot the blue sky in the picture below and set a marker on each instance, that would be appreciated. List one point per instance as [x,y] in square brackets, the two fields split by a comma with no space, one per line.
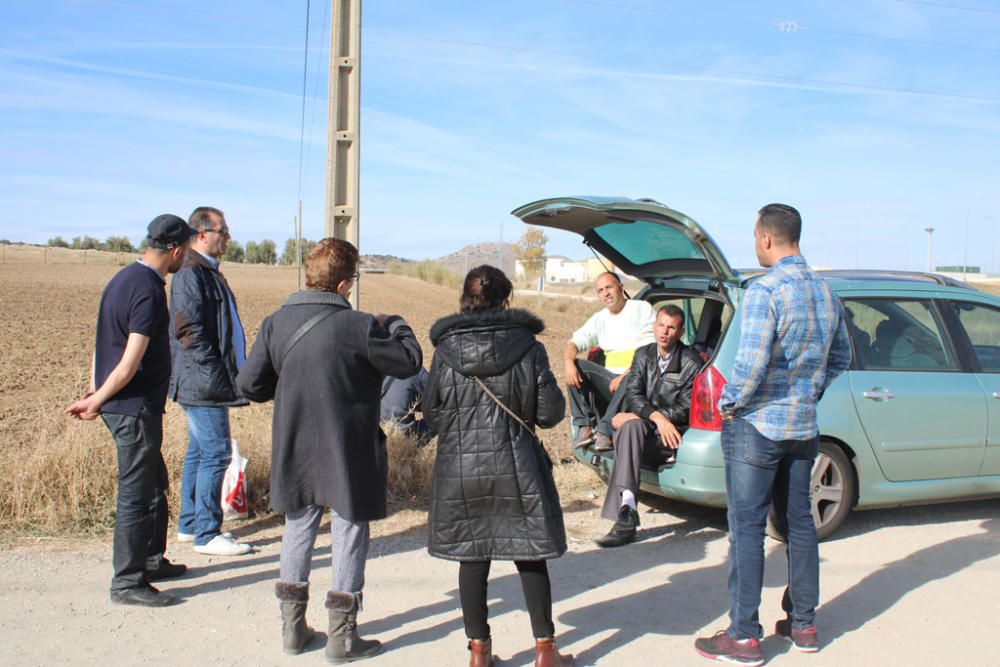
[876,118]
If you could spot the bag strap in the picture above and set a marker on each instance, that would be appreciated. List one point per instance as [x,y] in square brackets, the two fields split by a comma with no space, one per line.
[482,385]
[303,330]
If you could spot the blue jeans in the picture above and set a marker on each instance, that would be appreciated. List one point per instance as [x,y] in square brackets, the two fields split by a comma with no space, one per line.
[141,508]
[614,407]
[759,470]
[205,464]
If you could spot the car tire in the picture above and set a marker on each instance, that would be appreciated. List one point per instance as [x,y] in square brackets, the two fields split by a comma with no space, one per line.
[833,493]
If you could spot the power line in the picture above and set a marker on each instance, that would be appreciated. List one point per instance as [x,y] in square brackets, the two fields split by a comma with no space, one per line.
[718,70]
[786,26]
[302,124]
[955,7]
[316,79]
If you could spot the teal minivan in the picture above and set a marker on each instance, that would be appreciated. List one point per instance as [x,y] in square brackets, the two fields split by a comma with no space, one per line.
[916,418]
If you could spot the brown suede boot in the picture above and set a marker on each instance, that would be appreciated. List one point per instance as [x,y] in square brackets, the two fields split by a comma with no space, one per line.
[342,641]
[547,655]
[295,634]
[481,652]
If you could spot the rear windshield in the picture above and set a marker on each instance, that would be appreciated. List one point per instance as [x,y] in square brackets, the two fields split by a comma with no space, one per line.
[643,242]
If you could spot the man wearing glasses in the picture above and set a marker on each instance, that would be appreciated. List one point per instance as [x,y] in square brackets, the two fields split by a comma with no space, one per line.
[208,347]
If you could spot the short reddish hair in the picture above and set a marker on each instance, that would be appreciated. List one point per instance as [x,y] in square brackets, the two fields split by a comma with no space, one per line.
[330,262]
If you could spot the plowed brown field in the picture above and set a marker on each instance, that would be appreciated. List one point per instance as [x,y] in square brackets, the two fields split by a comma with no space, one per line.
[60,475]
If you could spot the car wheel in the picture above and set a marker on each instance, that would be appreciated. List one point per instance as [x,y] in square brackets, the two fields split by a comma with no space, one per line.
[832,493]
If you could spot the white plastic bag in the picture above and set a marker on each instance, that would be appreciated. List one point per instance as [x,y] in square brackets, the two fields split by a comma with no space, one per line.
[235,504]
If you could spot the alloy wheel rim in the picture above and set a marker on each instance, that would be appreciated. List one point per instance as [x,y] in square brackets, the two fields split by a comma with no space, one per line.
[826,490]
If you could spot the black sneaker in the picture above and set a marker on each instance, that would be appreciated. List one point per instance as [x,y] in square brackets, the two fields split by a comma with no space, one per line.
[623,531]
[804,640]
[145,596]
[721,646]
[166,570]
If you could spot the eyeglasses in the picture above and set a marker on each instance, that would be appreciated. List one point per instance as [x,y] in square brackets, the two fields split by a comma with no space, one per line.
[224,230]
[355,277]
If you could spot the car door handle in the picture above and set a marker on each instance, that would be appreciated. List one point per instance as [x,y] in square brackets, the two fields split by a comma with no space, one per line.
[876,395]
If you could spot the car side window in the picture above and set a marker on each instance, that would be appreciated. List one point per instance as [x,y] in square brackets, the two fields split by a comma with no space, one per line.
[897,335]
[982,324]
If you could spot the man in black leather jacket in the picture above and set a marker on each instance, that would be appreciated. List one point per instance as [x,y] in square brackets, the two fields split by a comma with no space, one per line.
[207,346]
[657,405]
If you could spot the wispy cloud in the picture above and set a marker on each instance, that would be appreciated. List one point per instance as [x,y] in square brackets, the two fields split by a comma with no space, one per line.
[67,64]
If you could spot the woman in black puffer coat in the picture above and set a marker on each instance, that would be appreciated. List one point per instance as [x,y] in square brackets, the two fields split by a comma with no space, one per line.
[493,497]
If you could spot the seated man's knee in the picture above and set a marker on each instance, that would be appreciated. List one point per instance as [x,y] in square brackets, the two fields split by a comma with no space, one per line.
[632,429]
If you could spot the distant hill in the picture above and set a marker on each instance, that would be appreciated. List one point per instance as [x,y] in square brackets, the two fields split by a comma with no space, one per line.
[381,261]
[481,253]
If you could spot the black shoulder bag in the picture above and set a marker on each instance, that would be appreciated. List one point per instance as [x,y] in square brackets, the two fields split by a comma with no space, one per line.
[302,331]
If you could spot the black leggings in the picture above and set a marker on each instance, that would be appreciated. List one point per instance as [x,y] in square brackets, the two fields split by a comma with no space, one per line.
[472,583]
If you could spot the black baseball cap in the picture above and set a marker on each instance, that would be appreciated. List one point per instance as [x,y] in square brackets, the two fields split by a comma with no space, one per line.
[168,231]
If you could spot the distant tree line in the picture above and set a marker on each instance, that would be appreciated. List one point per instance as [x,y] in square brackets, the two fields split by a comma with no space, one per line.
[255,252]
[112,244]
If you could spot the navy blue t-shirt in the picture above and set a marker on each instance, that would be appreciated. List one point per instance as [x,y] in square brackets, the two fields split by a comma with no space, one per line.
[135,301]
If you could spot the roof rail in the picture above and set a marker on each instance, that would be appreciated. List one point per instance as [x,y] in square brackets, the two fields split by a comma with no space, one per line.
[861,274]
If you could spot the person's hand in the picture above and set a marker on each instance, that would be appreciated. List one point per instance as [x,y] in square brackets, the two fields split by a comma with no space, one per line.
[85,409]
[619,419]
[617,381]
[572,375]
[670,437]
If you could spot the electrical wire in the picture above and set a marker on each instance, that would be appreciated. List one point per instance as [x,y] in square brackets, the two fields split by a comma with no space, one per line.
[316,79]
[302,124]
[942,5]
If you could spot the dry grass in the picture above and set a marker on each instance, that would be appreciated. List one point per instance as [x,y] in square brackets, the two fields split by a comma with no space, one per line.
[59,475]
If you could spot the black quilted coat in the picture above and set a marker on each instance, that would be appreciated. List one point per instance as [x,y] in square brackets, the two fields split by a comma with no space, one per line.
[493,497]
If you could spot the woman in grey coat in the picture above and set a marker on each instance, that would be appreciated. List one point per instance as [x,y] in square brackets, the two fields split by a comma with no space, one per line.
[323,365]
[493,497]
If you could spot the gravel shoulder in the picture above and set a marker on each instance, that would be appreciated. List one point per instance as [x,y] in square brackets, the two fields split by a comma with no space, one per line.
[910,586]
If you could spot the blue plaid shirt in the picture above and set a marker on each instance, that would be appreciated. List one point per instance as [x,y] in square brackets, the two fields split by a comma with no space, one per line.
[793,344]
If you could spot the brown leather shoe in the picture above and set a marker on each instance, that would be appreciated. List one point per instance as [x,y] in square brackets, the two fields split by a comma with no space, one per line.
[603,443]
[584,437]
[547,655]
[481,652]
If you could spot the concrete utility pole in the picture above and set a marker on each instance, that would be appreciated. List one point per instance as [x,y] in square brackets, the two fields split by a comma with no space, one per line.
[343,126]
[929,230]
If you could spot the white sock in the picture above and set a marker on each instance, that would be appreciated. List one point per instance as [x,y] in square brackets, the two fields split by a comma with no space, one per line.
[628,498]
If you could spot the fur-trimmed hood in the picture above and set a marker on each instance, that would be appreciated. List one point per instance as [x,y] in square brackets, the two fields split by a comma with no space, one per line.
[485,342]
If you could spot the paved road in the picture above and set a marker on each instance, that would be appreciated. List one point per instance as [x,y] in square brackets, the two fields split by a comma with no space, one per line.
[912,586]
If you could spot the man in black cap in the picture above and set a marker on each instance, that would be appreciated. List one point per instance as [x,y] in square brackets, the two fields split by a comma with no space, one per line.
[128,390]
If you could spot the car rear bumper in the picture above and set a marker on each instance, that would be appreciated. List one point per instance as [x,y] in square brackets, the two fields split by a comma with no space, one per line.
[698,476]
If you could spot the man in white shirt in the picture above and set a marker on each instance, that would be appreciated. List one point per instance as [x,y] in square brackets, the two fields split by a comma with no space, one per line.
[618,329]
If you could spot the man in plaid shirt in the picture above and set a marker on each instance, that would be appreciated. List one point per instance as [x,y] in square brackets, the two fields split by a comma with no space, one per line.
[793,344]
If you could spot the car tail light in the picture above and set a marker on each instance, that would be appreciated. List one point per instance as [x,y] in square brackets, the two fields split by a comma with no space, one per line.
[705,400]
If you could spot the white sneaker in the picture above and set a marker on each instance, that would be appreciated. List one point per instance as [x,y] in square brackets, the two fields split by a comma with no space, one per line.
[221,545]
[189,537]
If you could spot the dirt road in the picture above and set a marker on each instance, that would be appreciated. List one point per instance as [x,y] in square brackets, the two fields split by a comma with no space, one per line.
[912,586]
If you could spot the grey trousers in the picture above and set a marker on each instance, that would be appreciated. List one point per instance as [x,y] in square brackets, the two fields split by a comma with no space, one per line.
[636,441]
[349,549]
